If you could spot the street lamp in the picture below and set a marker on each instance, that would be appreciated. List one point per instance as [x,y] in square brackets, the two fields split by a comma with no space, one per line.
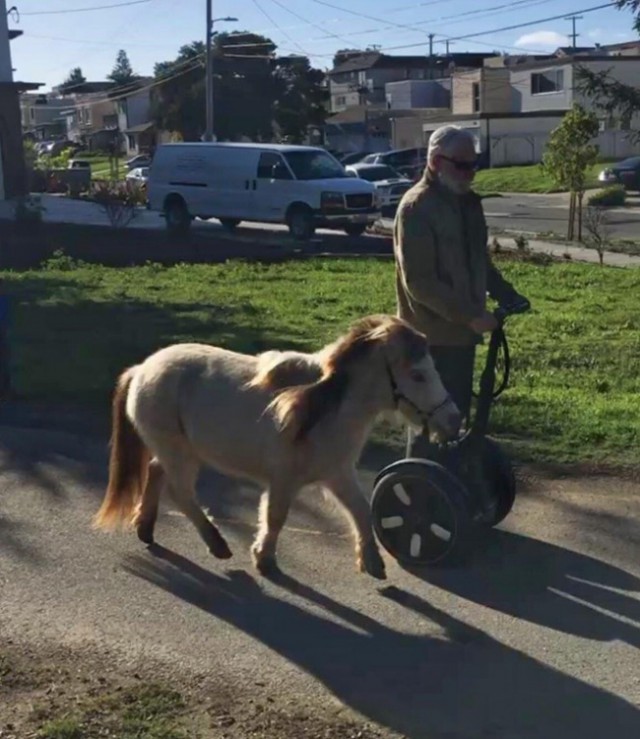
[208,136]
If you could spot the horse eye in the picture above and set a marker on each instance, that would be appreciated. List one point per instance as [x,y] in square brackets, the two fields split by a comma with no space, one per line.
[417,376]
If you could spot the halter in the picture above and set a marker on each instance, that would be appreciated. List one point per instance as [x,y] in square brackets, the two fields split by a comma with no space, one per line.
[397,396]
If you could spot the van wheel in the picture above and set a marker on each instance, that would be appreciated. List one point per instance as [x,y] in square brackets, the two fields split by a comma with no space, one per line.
[177,216]
[230,224]
[300,222]
[355,229]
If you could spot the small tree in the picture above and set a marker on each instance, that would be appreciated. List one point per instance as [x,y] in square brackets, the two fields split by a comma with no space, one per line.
[598,227]
[122,72]
[75,77]
[568,155]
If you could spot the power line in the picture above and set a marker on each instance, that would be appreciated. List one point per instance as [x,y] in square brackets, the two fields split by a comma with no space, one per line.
[86,10]
[277,27]
[310,23]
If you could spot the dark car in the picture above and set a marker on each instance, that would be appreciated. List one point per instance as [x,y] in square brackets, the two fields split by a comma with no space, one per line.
[626,172]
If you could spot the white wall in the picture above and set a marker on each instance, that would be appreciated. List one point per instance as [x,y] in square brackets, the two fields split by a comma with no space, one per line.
[6,74]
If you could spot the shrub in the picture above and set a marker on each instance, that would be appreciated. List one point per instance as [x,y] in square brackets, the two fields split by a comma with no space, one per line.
[119,200]
[612,195]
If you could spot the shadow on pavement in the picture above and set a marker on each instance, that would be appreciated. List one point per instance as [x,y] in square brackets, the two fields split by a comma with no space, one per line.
[467,685]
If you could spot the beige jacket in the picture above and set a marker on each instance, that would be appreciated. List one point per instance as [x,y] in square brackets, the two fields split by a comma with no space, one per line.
[443,266]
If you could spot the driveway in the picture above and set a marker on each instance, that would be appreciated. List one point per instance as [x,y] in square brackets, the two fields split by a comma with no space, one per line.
[539,637]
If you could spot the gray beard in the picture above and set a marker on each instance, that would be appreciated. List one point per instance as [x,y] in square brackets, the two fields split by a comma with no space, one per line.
[454,187]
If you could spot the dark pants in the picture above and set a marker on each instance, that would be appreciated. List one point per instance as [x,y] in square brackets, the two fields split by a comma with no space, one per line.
[455,365]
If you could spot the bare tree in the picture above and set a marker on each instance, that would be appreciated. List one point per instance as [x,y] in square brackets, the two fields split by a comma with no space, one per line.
[598,226]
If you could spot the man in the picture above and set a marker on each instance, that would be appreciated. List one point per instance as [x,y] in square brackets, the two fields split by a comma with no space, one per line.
[443,266]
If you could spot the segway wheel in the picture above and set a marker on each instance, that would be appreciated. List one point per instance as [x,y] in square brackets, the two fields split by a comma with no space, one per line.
[501,478]
[421,514]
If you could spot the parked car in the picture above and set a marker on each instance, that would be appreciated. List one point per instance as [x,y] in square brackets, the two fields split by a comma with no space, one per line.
[391,185]
[626,172]
[353,157]
[409,162]
[304,187]
[141,160]
[139,175]
[79,164]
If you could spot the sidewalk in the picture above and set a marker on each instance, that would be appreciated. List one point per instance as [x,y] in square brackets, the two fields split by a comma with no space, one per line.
[577,253]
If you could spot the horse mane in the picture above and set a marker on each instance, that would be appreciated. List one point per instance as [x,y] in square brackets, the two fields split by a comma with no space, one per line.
[278,370]
[299,409]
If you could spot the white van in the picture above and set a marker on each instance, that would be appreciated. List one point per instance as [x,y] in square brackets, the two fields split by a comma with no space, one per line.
[304,187]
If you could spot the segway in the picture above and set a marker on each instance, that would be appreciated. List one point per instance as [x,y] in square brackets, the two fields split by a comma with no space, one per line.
[427,511]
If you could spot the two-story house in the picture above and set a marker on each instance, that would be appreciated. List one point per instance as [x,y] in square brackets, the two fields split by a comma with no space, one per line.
[367,93]
[91,115]
[13,180]
[42,117]
[138,132]
[513,104]
[361,80]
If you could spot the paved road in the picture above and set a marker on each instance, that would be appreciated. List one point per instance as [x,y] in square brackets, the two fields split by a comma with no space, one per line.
[539,638]
[550,213]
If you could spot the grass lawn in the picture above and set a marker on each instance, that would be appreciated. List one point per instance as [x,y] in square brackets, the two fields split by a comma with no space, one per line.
[575,357]
[528,179]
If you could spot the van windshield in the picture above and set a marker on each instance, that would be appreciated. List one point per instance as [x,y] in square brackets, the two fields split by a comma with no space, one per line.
[314,165]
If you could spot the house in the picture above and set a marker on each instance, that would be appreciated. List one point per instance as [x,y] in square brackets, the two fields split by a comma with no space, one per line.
[138,132]
[91,116]
[512,108]
[13,181]
[361,78]
[41,116]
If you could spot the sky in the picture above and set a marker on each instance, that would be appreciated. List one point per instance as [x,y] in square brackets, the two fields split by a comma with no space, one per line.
[62,34]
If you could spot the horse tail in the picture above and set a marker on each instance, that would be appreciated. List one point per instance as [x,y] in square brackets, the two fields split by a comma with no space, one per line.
[298,409]
[128,462]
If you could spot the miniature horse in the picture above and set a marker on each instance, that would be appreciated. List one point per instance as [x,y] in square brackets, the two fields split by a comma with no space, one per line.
[281,419]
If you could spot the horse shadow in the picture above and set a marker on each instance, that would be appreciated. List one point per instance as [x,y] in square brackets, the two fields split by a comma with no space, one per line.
[546,585]
[468,684]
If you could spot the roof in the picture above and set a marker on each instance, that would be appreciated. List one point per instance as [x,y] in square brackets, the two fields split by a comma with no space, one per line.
[576,59]
[356,114]
[22,86]
[284,148]
[370,59]
[446,117]
[141,128]
[137,85]
[86,87]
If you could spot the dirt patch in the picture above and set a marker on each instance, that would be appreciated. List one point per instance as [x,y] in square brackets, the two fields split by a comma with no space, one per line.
[56,693]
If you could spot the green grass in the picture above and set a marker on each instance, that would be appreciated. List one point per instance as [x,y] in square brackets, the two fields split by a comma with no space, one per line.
[145,712]
[100,168]
[575,357]
[526,179]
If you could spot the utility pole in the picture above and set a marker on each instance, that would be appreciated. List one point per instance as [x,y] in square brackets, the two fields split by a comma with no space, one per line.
[447,42]
[208,86]
[574,35]
[208,135]
[431,35]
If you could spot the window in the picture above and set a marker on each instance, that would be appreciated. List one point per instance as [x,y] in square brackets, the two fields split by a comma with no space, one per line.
[272,167]
[475,93]
[314,165]
[549,81]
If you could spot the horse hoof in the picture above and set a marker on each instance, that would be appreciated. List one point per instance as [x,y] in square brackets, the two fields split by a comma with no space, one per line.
[265,564]
[372,563]
[145,533]
[220,550]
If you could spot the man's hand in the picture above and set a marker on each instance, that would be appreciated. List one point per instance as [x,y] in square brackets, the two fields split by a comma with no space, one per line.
[484,323]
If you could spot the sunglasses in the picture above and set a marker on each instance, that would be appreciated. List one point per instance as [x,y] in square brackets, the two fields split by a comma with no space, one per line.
[462,166]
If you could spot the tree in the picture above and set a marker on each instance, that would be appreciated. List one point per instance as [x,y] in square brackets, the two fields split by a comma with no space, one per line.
[300,97]
[122,73]
[75,77]
[568,155]
[343,55]
[610,96]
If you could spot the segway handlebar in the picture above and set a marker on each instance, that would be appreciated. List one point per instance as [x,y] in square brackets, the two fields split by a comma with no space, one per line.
[519,306]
